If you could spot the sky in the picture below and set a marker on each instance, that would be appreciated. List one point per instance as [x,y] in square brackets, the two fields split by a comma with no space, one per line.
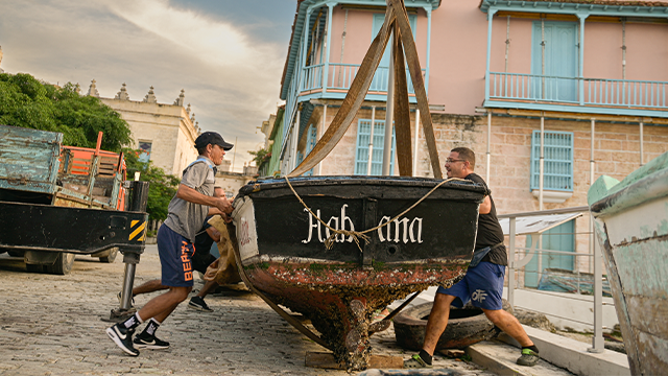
[227,55]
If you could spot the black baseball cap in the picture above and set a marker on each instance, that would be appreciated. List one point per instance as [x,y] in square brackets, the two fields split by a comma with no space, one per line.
[212,138]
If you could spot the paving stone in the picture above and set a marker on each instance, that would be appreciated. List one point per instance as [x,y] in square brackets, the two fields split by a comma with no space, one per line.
[59,329]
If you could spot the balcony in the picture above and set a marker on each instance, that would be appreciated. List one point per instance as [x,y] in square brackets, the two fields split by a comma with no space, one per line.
[339,79]
[589,95]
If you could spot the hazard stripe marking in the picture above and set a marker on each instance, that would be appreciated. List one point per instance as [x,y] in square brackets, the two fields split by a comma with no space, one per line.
[137,231]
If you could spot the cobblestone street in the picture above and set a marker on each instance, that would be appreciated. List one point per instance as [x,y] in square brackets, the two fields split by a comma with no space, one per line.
[52,325]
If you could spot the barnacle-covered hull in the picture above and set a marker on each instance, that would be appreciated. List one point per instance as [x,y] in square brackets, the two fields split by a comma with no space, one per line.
[283,251]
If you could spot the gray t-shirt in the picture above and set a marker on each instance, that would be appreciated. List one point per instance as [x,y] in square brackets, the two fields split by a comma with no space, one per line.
[186,218]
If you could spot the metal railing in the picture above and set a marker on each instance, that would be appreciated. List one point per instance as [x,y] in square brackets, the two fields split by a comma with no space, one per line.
[521,257]
[341,76]
[585,91]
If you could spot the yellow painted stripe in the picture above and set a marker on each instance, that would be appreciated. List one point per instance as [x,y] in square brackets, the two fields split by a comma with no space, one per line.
[137,231]
[133,223]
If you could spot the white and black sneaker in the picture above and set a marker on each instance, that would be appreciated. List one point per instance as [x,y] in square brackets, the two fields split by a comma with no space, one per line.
[150,342]
[122,337]
[199,304]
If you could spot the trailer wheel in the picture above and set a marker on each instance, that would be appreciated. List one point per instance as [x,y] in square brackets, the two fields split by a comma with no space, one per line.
[466,326]
[111,257]
[35,268]
[63,264]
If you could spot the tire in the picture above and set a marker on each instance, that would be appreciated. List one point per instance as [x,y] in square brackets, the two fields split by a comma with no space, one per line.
[466,326]
[63,264]
[35,268]
[111,257]
[15,253]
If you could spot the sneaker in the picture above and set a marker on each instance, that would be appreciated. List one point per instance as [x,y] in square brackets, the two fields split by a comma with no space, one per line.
[120,300]
[529,358]
[122,337]
[199,304]
[150,342]
[416,362]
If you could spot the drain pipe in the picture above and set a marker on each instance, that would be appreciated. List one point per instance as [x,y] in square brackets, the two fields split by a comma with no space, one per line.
[373,125]
[488,163]
[320,133]
[642,162]
[541,162]
[592,169]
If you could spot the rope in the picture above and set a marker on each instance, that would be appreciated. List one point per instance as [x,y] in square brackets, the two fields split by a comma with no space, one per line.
[356,235]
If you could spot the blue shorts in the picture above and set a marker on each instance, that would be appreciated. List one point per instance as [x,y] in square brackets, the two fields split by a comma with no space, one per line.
[175,253]
[482,285]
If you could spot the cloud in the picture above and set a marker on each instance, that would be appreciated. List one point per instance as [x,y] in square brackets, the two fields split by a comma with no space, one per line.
[231,78]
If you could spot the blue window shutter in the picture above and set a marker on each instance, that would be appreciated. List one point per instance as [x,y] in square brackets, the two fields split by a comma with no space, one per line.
[558,162]
[362,148]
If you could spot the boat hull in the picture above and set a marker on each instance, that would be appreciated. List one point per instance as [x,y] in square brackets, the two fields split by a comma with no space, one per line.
[632,228]
[282,246]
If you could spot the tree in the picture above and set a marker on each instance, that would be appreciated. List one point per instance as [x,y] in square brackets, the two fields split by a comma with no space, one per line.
[162,187]
[262,156]
[29,103]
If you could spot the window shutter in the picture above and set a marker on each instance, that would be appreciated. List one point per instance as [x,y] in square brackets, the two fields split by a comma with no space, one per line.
[362,149]
[558,162]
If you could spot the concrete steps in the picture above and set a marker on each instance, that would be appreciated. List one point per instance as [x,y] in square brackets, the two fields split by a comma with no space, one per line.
[499,358]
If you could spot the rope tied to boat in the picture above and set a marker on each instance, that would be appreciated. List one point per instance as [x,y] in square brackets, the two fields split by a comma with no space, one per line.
[356,235]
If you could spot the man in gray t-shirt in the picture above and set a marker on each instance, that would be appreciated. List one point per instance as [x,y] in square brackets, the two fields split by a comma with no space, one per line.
[188,209]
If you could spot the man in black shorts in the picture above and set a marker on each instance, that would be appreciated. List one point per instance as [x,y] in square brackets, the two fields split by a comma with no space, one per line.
[188,209]
[483,282]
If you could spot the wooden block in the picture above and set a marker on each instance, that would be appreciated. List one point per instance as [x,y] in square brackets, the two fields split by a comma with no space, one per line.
[386,362]
[326,360]
[322,360]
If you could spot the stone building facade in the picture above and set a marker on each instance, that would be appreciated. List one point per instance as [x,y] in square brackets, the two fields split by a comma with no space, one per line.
[166,133]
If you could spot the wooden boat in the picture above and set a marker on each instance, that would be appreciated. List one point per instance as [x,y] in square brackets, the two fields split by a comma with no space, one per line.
[282,246]
[632,229]
[338,248]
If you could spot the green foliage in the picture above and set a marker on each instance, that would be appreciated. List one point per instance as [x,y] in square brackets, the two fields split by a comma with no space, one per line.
[262,156]
[162,187]
[26,102]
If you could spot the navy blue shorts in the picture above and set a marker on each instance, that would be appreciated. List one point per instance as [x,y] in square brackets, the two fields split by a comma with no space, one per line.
[482,285]
[175,254]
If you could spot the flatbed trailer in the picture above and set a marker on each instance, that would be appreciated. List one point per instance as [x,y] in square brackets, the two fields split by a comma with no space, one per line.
[59,201]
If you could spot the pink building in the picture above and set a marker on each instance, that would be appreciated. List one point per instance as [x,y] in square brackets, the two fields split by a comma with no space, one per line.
[588,78]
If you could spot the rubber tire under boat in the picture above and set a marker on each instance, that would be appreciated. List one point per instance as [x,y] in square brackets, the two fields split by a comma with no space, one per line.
[466,326]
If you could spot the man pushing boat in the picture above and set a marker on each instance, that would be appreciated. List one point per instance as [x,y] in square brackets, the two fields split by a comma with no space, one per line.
[483,283]
[188,209]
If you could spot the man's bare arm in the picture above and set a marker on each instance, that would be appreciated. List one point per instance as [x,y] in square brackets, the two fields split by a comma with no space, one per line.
[188,194]
[486,206]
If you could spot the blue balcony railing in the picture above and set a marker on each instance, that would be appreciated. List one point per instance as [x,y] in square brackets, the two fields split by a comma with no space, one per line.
[341,76]
[586,91]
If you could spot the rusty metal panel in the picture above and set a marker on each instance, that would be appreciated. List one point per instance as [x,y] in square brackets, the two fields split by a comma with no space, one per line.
[29,159]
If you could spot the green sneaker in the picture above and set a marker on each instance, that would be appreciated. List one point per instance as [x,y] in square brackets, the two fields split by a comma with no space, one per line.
[416,362]
[529,358]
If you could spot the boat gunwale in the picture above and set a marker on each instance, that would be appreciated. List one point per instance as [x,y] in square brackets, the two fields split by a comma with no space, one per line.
[395,181]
